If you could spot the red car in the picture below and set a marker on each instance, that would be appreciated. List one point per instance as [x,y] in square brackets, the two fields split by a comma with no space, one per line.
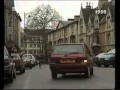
[71,58]
[19,64]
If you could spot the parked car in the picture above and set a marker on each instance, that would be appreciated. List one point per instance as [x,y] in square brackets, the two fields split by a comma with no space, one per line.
[9,66]
[71,58]
[108,59]
[19,64]
[105,59]
[96,59]
[31,58]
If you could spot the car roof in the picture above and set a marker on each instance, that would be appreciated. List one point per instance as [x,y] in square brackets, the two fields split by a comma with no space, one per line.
[111,51]
[71,44]
[27,54]
[14,54]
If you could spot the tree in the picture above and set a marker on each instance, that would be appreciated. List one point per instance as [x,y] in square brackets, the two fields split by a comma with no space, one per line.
[43,16]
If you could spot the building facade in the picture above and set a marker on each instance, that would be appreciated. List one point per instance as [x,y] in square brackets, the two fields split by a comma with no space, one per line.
[97,31]
[32,41]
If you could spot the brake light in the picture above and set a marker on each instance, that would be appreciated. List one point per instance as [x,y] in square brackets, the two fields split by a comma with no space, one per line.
[85,60]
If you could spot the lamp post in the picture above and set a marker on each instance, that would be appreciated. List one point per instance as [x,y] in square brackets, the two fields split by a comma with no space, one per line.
[25,15]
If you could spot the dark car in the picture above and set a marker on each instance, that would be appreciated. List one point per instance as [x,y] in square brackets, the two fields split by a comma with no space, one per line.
[9,66]
[71,58]
[19,64]
[108,59]
[27,62]
[96,59]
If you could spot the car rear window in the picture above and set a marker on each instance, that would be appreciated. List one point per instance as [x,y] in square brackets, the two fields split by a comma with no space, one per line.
[68,49]
[15,56]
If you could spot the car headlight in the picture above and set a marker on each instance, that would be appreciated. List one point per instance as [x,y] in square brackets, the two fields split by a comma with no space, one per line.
[85,60]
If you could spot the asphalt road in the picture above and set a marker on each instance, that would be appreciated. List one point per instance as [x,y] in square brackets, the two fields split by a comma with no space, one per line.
[36,78]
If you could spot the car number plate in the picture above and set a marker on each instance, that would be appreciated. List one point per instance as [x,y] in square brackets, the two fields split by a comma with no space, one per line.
[67,61]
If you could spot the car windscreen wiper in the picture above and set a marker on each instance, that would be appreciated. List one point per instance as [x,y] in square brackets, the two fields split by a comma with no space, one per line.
[73,52]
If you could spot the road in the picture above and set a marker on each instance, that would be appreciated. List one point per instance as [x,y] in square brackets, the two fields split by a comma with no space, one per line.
[36,78]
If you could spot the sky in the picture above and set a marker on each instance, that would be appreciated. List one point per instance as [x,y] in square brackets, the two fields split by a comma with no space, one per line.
[67,9]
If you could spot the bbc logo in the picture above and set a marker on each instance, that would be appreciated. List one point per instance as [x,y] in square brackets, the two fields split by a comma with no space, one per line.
[100,11]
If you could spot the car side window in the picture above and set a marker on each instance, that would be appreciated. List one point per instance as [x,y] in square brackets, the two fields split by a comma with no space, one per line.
[87,50]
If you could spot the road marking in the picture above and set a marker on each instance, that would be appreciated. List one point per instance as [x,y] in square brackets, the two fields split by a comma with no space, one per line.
[27,81]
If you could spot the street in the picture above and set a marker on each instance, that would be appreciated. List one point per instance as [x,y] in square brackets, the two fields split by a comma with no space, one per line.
[36,78]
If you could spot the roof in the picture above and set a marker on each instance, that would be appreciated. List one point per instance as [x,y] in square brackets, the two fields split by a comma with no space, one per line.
[86,13]
[64,23]
[112,10]
[70,44]
[9,3]
[36,32]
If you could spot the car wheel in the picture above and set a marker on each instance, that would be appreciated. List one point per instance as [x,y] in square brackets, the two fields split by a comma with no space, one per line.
[87,73]
[54,75]
[106,65]
[63,74]
[30,67]
[23,70]
[14,75]
[10,77]
[91,71]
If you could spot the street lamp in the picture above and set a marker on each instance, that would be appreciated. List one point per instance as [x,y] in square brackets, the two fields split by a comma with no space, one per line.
[25,15]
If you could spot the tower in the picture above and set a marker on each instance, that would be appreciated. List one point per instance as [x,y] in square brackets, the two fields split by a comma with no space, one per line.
[101,2]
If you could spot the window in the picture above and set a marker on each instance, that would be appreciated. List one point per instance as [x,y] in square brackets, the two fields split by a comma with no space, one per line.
[30,51]
[65,49]
[30,44]
[81,40]
[10,19]
[108,21]
[97,37]
[87,50]
[108,39]
[81,29]
[38,44]
[81,22]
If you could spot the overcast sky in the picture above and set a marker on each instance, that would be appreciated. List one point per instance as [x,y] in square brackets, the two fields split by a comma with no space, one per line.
[67,9]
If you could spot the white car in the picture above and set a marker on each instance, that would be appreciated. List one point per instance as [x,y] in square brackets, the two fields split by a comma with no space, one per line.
[112,51]
[29,57]
[97,58]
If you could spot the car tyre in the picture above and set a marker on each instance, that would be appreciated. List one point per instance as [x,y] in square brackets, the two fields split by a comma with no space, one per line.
[91,71]
[87,73]
[23,70]
[54,75]
[30,67]
[10,77]
[106,65]
[63,74]
[14,75]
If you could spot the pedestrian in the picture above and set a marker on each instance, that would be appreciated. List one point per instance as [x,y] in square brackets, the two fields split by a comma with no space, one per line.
[40,63]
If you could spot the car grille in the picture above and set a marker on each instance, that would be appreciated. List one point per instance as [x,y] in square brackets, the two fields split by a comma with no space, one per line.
[102,59]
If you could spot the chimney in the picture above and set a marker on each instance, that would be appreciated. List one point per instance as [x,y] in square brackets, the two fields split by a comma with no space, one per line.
[88,6]
[76,17]
[70,19]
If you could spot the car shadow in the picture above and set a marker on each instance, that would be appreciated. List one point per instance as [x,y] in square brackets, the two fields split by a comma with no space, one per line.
[72,76]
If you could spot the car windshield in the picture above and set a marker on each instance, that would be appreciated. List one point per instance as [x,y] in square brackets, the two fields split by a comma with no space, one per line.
[68,49]
[27,56]
[15,56]
[5,53]
[101,54]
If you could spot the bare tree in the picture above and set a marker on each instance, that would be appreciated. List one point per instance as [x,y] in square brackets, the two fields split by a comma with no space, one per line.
[43,17]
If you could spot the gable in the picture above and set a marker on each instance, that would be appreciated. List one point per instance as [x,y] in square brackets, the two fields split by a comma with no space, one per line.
[60,25]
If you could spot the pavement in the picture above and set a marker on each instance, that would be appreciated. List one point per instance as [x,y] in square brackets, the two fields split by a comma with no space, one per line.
[36,78]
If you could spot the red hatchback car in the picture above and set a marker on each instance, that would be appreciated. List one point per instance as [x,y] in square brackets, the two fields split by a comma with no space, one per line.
[71,58]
